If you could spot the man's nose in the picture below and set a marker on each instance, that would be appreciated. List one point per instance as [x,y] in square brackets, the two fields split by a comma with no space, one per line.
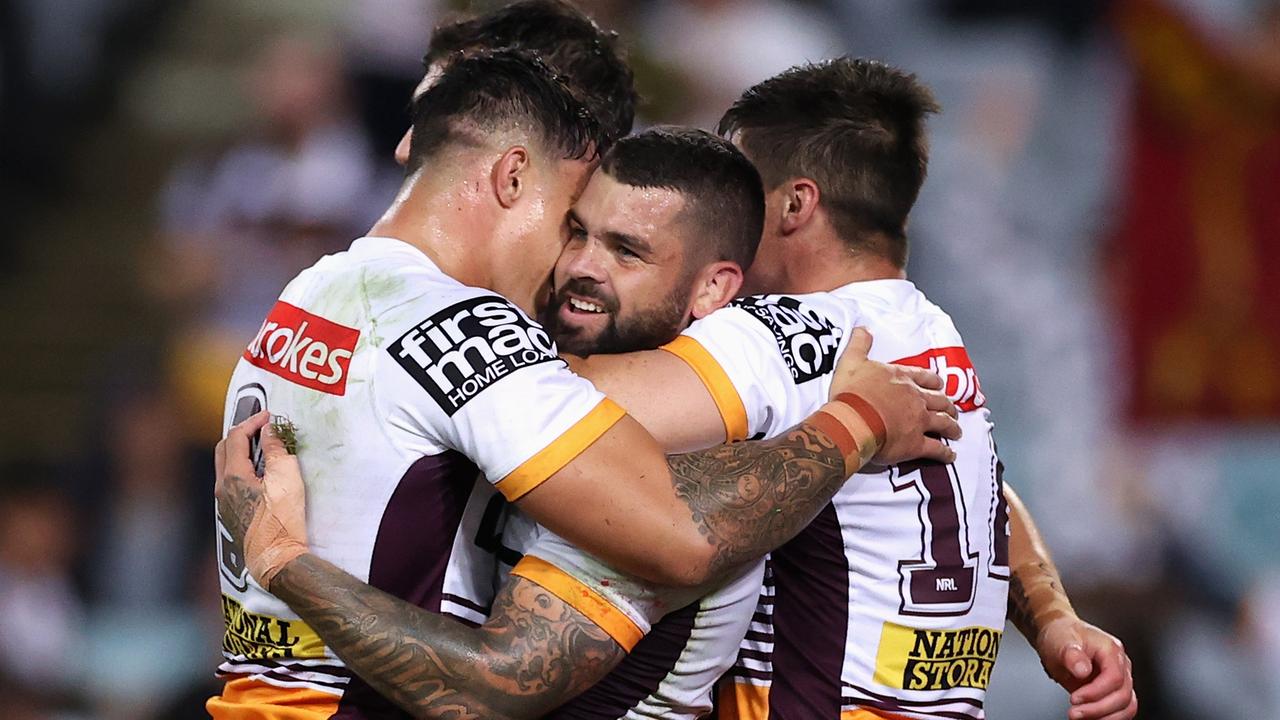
[402,150]
[584,261]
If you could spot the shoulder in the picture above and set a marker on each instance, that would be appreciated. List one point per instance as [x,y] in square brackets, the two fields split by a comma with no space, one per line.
[807,329]
[455,344]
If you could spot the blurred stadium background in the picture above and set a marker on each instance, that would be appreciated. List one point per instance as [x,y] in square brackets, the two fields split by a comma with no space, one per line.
[1102,219]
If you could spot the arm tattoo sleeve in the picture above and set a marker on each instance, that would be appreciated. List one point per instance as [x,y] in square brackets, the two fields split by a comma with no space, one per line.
[534,653]
[749,498]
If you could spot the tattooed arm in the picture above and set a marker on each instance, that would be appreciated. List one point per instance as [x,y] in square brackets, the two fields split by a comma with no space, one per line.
[1085,660]
[733,503]
[533,654]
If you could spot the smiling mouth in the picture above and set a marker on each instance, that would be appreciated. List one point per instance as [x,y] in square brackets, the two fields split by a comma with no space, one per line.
[585,306]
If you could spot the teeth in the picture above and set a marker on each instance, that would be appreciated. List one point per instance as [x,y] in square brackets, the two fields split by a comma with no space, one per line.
[585,306]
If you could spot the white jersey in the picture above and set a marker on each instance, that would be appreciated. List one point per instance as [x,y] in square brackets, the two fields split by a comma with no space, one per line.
[892,602]
[407,389]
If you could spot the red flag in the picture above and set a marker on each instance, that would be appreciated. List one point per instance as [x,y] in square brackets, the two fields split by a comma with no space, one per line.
[1199,233]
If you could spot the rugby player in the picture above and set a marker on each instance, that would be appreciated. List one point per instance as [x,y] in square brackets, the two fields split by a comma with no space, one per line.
[1062,641]
[1088,662]
[418,339]
[625,302]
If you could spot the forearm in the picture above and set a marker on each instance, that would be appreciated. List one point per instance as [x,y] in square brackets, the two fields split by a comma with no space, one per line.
[532,655]
[1036,594]
[749,498]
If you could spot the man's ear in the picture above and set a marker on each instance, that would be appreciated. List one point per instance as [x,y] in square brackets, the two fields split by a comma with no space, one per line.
[715,285]
[510,175]
[799,202]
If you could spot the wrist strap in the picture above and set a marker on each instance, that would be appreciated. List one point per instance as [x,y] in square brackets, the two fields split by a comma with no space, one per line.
[869,415]
[840,435]
[273,559]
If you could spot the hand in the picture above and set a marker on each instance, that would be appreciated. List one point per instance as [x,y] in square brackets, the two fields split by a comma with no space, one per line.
[266,517]
[911,401]
[1091,664]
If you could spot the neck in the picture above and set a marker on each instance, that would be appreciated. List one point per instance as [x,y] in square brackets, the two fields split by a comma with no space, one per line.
[831,264]
[436,222]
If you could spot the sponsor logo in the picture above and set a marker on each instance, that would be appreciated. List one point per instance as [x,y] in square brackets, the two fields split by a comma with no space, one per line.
[263,637]
[806,338]
[912,659]
[468,346]
[304,349]
[956,369]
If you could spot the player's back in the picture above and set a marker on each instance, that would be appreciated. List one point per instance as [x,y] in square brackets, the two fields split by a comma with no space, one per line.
[893,600]
[387,502]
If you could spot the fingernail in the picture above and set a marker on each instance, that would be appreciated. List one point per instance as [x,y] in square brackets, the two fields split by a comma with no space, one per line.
[1081,668]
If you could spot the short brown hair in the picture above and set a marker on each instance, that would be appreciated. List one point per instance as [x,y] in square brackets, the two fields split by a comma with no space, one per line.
[855,127]
[722,190]
[588,57]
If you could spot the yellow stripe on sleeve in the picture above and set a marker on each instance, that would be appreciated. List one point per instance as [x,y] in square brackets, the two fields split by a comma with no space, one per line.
[561,451]
[581,598]
[243,698]
[743,701]
[732,411]
[865,714]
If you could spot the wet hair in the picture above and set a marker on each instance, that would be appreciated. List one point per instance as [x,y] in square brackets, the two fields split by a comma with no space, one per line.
[486,92]
[588,58]
[856,128]
[721,188]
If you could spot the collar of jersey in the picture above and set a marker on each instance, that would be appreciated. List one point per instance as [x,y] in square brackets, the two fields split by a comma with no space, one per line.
[377,245]
[887,290]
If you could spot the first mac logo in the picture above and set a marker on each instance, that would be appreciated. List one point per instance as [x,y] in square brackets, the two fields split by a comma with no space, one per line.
[467,347]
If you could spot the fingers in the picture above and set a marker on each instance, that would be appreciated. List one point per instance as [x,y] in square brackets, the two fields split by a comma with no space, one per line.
[239,436]
[926,379]
[1113,690]
[936,450]
[937,401]
[859,343]
[231,455]
[282,476]
[1129,712]
[1114,705]
[943,425]
[1111,673]
[1076,661]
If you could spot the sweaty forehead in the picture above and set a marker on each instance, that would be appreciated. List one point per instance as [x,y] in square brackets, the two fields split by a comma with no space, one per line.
[652,214]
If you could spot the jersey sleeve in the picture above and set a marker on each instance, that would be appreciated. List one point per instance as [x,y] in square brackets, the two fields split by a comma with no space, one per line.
[756,355]
[622,605]
[737,359]
[481,378]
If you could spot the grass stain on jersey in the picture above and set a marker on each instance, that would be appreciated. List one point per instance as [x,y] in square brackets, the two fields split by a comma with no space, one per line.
[284,429]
